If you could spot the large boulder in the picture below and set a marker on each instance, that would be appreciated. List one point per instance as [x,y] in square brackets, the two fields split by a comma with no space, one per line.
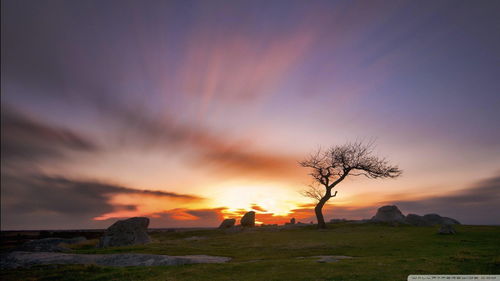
[131,231]
[388,213]
[248,219]
[227,223]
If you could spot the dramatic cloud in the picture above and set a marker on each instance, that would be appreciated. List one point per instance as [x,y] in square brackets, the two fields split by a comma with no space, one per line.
[228,65]
[258,208]
[207,217]
[25,139]
[180,217]
[206,148]
[41,201]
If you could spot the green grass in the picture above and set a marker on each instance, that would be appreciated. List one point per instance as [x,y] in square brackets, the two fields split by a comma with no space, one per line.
[380,253]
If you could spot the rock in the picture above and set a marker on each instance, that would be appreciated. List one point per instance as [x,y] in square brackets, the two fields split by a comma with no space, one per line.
[447,220]
[49,244]
[429,220]
[27,259]
[131,231]
[416,220]
[227,223]
[435,219]
[446,229]
[290,224]
[388,214]
[248,220]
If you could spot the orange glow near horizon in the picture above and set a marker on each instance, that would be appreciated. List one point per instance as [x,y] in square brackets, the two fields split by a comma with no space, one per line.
[273,203]
[259,198]
[147,205]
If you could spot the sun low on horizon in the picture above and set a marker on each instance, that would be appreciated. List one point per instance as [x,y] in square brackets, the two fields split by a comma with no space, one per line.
[192,112]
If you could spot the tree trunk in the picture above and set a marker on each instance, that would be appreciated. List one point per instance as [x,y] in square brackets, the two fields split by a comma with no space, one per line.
[319,212]
[328,194]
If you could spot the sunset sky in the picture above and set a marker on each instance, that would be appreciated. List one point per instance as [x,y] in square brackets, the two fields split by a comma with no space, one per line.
[189,112]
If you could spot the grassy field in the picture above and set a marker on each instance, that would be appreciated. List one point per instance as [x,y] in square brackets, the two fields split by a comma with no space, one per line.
[380,252]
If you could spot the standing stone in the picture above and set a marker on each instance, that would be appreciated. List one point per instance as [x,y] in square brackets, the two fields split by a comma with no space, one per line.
[446,229]
[248,219]
[227,223]
[388,214]
[292,221]
[131,231]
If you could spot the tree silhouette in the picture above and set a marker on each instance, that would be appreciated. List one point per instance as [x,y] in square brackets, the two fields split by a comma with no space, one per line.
[330,167]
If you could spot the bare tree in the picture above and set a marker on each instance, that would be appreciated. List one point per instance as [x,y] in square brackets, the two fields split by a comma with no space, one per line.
[330,167]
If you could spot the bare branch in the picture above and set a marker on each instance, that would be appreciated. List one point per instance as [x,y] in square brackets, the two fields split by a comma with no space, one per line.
[335,194]
[313,192]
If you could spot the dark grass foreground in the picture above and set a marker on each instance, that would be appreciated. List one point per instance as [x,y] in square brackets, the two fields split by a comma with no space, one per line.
[380,252]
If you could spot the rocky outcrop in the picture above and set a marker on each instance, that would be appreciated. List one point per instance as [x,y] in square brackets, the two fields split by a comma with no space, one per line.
[429,220]
[27,259]
[390,214]
[415,220]
[435,219]
[131,231]
[248,220]
[227,223]
[49,244]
